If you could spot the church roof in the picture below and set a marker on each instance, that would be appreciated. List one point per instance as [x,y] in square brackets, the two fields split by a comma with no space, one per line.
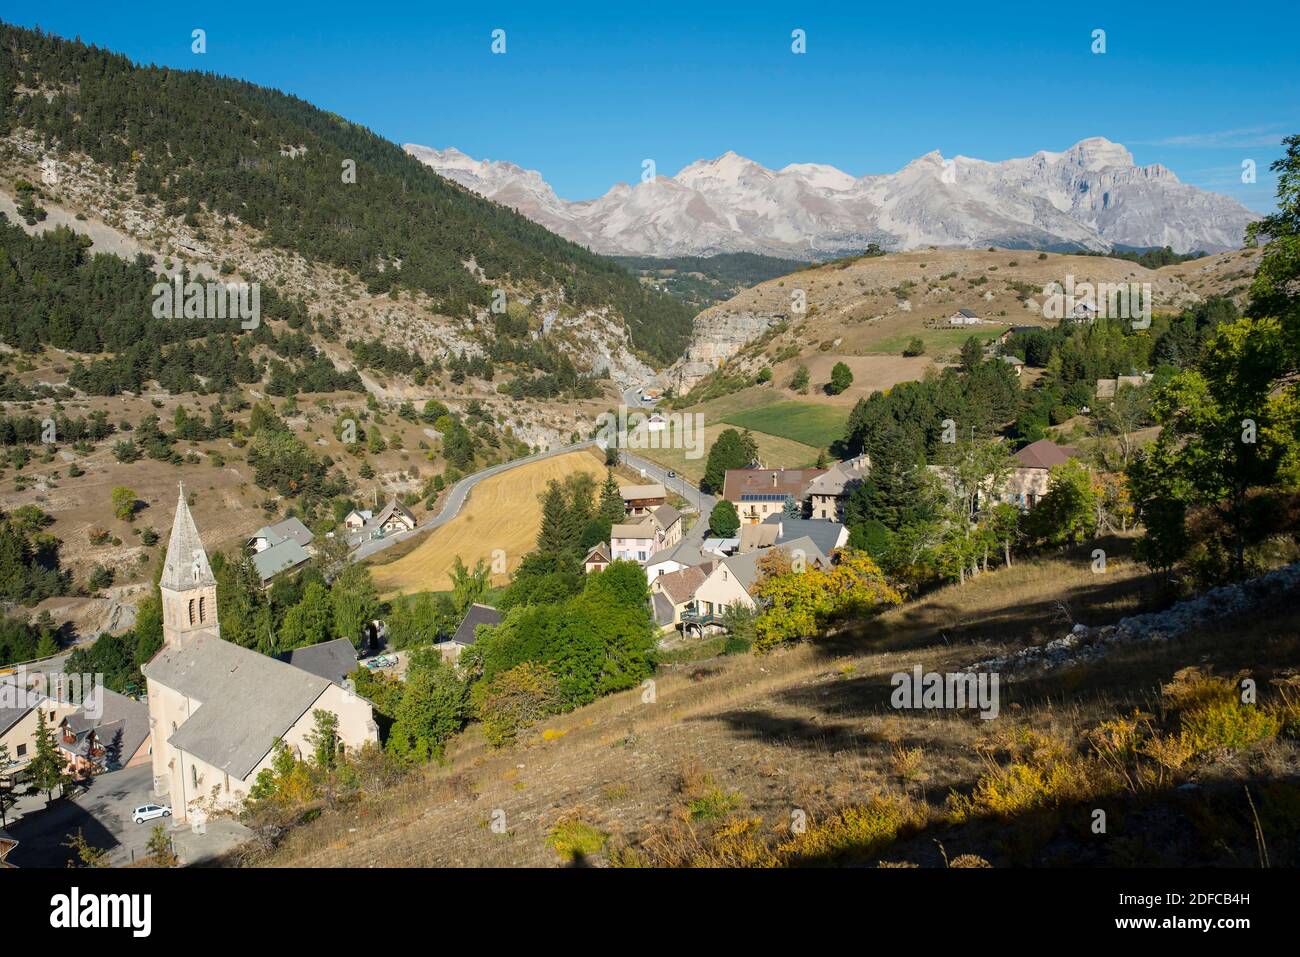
[187,563]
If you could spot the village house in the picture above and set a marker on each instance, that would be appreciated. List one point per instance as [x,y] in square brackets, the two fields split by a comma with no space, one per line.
[1027,484]
[268,536]
[466,632]
[965,317]
[673,559]
[216,709]
[729,582]
[597,559]
[357,519]
[757,493]
[642,499]
[1109,388]
[673,594]
[395,517]
[280,557]
[20,712]
[830,492]
[1017,364]
[108,732]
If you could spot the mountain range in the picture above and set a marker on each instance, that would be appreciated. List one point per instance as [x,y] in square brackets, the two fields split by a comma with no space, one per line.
[1091,197]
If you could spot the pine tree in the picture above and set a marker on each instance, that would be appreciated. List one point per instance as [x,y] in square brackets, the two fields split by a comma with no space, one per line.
[47,766]
[611,500]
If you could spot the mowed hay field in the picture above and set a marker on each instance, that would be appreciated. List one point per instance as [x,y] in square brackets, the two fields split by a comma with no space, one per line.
[501,512]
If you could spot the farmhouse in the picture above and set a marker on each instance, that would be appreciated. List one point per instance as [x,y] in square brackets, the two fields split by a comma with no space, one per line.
[642,499]
[830,492]
[216,709]
[1027,484]
[965,317]
[758,493]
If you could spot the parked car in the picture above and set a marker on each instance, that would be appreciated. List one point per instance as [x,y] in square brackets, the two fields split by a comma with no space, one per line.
[147,812]
[672,474]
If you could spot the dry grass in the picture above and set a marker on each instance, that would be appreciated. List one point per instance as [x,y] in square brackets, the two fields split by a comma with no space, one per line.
[502,512]
[798,758]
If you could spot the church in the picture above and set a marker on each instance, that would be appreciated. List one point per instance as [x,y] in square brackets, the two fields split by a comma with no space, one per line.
[216,708]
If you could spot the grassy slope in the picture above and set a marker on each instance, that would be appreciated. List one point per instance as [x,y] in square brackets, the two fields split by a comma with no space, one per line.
[808,728]
[811,424]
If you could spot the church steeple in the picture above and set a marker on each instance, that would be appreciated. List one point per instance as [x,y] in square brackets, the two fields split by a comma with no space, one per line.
[188,587]
[187,563]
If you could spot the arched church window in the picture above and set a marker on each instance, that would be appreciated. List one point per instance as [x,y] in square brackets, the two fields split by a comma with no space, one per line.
[191,611]
[203,611]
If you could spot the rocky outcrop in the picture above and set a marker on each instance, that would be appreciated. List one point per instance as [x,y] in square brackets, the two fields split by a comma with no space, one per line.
[719,334]
[1085,643]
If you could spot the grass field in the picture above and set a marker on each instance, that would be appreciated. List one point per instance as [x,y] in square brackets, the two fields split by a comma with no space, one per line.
[774,451]
[501,512]
[814,425]
[937,341]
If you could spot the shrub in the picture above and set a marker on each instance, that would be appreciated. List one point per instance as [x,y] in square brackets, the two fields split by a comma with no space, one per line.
[574,840]
[515,699]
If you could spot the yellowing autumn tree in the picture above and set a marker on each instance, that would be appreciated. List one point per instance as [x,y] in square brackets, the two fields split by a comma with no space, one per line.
[798,604]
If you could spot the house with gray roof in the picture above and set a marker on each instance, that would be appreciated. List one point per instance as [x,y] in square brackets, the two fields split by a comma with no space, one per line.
[465,634]
[331,660]
[109,730]
[268,536]
[281,557]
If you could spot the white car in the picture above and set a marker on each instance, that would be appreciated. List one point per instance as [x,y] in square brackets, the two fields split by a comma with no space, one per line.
[147,812]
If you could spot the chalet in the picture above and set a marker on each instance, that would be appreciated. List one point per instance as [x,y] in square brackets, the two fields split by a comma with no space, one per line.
[467,631]
[965,317]
[597,559]
[217,709]
[642,499]
[830,492]
[757,493]
[395,517]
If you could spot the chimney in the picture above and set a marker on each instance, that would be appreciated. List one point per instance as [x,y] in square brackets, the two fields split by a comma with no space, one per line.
[773,480]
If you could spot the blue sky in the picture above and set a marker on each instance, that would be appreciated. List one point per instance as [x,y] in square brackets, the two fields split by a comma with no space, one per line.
[585,92]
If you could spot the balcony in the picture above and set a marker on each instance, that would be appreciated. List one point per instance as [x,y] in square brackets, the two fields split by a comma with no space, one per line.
[701,618]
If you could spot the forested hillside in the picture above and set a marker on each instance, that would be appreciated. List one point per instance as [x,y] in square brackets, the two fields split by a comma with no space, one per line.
[276,163]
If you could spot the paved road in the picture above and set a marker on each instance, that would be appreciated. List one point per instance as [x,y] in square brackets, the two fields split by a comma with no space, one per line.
[704,503]
[457,497]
